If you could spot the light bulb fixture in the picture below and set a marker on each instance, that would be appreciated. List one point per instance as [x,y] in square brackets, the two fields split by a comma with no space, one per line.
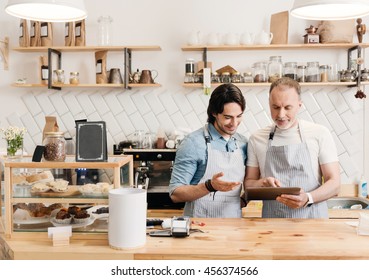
[330,9]
[47,10]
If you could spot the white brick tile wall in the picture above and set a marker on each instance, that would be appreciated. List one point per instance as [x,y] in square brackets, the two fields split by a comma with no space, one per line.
[310,102]
[39,120]
[127,103]
[352,121]
[250,121]
[196,102]
[182,103]
[339,102]
[349,143]
[15,120]
[72,104]
[166,123]
[141,104]
[94,117]
[125,123]
[31,103]
[138,122]
[99,103]
[69,124]
[263,119]
[45,103]
[253,104]
[179,120]
[86,104]
[193,121]
[58,103]
[323,100]
[348,165]
[112,102]
[29,122]
[339,145]
[111,124]
[168,103]
[322,119]
[151,121]
[155,103]
[336,122]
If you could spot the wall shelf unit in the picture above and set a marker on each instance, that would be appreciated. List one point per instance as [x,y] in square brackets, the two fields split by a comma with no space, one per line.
[127,51]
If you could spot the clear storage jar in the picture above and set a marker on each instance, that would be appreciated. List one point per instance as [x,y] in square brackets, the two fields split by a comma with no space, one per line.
[290,70]
[74,78]
[236,77]
[312,72]
[301,73]
[275,68]
[225,77]
[54,144]
[58,76]
[259,72]
[324,72]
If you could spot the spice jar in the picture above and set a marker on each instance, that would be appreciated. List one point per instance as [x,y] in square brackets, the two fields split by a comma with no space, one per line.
[236,77]
[58,76]
[54,144]
[301,73]
[215,77]
[247,77]
[324,70]
[259,72]
[225,78]
[290,70]
[74,78]
[312,70]
[275,68]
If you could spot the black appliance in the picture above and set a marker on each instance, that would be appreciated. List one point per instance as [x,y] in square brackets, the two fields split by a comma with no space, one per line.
[152,171]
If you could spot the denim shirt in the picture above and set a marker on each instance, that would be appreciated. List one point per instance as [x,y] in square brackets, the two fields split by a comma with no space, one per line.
[191,156]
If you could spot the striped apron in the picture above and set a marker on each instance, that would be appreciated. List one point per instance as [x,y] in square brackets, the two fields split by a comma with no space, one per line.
[221,204]
[291,165]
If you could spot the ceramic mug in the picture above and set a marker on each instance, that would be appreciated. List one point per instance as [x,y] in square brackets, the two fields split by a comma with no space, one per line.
[148,76]
[115,77]
[264,38]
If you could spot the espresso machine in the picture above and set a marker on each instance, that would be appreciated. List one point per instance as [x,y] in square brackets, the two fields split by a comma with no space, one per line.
[152,171]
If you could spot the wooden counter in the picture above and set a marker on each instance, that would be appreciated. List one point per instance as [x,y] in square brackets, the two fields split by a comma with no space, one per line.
[244,238]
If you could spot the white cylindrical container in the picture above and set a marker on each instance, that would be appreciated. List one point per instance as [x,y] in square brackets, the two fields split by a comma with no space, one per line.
[127,218]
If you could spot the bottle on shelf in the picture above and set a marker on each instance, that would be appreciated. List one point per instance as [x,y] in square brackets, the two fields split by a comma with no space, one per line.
[362,188]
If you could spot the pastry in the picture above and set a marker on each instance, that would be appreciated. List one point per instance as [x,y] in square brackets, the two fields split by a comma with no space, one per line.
[59,185]
[45,175]
[81,216]
[63,217]
[40,187]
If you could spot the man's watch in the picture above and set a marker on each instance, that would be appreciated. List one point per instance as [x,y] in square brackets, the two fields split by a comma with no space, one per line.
[310,200]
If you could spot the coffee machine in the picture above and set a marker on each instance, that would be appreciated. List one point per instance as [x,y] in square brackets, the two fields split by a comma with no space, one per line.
[152,171]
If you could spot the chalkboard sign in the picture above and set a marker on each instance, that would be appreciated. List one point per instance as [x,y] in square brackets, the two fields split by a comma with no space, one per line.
[91,141]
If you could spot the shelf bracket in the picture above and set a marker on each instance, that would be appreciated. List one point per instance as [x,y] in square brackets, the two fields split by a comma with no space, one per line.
[4,52]
[358,64]
[205,57]
[127,67]
[50,54]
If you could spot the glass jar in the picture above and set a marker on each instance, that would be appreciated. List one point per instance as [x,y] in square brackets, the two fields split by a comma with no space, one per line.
[74,78]
[312,72]
[225,77]
[259,72]
[247,77]
[290,70]
[364,75]
[236,77]
[199,78]
[105,31]
[58,76]
[189,78]
[190,66]
[54,144]
[215,77]
[275,68]
[301,73]
[324,72]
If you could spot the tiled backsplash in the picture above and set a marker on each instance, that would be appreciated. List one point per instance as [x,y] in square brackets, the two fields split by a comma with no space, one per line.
[124,111]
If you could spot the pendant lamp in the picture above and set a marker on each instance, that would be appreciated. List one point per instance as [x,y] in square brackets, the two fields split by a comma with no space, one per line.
[47,10]
[330,9]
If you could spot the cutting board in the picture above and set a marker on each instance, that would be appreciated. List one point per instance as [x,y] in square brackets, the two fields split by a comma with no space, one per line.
[279,27]
[73,190]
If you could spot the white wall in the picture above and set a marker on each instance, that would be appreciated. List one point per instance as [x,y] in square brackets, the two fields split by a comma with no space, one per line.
[168,24]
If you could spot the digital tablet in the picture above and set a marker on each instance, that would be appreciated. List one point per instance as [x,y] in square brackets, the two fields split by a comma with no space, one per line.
[270,193]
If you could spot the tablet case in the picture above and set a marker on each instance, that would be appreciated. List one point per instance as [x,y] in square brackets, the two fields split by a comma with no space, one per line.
[270,193]
[91,142]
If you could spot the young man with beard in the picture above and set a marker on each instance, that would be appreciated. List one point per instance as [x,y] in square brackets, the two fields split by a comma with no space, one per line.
[293,153]
[209,167]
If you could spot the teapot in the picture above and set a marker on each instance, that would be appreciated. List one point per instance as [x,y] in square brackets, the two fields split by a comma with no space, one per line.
[231,39]
[247,38]
[264,38]
[193,38]
[146,76]
[213,39]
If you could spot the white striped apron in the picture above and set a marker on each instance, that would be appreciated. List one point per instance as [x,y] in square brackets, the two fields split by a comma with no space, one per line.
[291,165]
[221,204]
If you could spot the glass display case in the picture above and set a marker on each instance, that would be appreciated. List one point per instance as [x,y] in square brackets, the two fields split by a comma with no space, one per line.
[32,194]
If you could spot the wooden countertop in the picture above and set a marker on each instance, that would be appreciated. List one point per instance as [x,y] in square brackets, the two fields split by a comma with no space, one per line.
[244,238]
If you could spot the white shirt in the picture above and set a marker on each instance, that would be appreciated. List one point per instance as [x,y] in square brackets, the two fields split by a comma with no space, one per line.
[318,138]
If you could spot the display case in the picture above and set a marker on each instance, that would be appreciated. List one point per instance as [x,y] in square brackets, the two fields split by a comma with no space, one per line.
[21,194]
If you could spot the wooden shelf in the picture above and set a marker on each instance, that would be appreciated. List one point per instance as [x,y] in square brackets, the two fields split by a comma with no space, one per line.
[198,85]
[272,47]
[87,85]
[87,48]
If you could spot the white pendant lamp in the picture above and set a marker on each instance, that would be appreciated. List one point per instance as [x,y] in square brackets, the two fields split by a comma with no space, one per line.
[47,10]
[330,9]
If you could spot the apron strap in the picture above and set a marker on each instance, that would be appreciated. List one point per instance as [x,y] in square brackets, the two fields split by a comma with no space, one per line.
[273,129]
